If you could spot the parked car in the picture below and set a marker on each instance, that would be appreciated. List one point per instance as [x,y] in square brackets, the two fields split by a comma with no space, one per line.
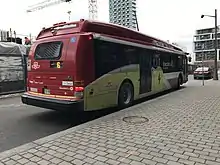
[203,71]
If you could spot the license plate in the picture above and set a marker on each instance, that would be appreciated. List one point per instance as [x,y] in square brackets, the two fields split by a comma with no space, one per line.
[46,91]
[33,89]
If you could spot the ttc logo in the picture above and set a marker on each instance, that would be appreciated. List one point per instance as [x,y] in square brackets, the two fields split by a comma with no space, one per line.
[35,65]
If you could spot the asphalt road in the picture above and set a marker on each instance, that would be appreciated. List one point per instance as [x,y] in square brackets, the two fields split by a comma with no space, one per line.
[20,124]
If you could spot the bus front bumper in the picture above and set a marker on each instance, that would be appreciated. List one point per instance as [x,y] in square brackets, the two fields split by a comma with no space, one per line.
[53,104]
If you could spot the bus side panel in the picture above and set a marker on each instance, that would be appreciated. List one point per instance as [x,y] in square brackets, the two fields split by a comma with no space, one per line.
[103,92]
[170,67]
[99,94]
[158,80]
[172,79]
[112,67]
[84,61]
[116,62]
[163,81]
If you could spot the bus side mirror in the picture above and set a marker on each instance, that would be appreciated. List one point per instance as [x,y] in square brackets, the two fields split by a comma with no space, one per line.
[189,59]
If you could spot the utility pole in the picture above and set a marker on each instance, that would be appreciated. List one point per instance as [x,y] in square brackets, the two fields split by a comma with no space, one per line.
[69,12]
[216,47]
[15,36]
[203,53]
[215,76]
[11,34]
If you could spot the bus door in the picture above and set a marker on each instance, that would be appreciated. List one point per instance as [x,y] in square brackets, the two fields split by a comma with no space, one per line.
[157,73]
[145,71]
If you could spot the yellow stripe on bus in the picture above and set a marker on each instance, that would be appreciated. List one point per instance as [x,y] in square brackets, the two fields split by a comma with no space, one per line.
[52,96]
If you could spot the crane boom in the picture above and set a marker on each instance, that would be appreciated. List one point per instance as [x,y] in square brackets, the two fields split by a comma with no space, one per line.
[93,9]
[44,4]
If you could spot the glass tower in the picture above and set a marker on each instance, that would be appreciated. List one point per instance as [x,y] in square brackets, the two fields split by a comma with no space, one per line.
[123,12]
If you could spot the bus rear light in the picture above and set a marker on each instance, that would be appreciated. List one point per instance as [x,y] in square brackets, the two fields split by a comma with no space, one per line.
[79,89]
[67,83]
[78,92]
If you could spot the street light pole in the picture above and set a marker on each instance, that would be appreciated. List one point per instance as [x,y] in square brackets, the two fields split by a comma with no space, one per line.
[216,47]
[215,76]
[69,12]
[203,76]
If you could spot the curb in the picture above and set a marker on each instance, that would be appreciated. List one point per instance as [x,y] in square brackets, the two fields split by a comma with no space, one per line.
[11,94]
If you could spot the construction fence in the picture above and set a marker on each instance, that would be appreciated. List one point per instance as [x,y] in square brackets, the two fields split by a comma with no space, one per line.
[13,67]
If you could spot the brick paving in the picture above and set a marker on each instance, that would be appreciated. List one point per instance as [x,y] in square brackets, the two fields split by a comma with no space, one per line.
[183,128]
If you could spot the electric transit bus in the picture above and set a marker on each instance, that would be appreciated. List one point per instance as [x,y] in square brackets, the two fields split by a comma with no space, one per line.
[93,65]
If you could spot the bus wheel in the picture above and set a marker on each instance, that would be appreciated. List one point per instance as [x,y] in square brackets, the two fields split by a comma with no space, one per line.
[126,95]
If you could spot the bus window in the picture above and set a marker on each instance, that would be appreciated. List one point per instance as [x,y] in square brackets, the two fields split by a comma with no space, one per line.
[131,55]
[48,51]
[156,60]
[110,56]
[106,57]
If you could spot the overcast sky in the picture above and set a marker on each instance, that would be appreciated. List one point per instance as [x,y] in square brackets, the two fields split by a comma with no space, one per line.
[174,20]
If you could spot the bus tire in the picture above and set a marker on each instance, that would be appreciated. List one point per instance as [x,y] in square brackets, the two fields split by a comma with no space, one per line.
[125,95]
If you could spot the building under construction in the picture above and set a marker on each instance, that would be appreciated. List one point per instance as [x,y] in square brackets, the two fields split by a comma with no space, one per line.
[6,36]
[204,46]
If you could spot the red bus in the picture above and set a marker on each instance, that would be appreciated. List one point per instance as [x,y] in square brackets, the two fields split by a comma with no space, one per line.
[96,65]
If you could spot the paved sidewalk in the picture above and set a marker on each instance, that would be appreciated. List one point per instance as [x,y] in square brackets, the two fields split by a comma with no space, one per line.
[183,128]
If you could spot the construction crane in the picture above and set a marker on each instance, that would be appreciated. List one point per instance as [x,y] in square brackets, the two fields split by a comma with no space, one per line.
[93,7]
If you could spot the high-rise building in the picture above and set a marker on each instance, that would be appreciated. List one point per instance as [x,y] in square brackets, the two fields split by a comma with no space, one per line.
[204,46]
[123,12]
